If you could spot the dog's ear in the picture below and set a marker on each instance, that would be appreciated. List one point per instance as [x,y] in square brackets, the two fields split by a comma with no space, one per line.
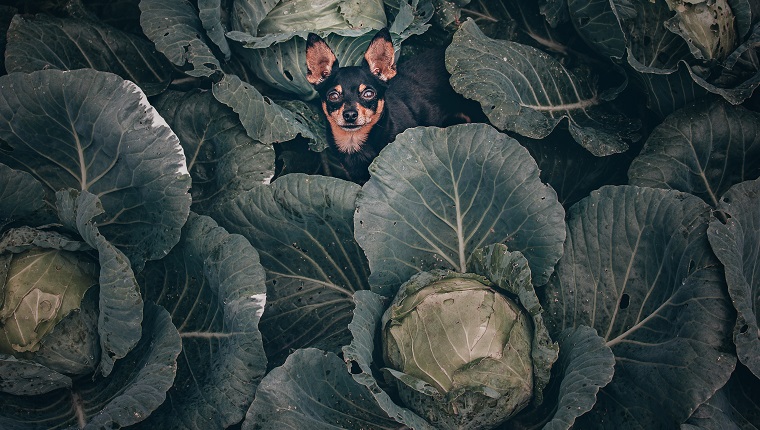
[320,60]
[379,56]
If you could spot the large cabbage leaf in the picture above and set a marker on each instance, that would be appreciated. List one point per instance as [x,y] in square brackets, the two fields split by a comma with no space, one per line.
[524,90]
[120,304]
[638,268]
[733,406]
[20,195]
[697,150]
[176,29]
[135,388]
[94,131]
[263,119]
[435,195]
[23,377]
[221,158]
[303,228]
[596,24]
[297,15]
[44,42]
[213,287]
[211,14]
[328,398]
[735,238]
[585,364]
[658,57]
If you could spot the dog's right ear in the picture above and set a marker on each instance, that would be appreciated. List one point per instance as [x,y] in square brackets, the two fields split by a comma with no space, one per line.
[320,60]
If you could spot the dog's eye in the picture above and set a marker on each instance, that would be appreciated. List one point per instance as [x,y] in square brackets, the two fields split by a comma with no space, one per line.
[368,94]
[333,96]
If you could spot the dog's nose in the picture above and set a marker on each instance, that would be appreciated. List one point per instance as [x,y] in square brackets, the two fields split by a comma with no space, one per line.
[350,115]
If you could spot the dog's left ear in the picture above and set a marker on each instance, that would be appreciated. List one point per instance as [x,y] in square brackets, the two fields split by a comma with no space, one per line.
[379,56]
[320,60]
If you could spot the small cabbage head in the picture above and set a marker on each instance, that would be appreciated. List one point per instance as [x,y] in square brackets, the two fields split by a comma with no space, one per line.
[459,351]
[43,317]
[708,26]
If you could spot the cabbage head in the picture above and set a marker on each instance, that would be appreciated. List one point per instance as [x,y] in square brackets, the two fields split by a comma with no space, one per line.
[452,339]
[42,296]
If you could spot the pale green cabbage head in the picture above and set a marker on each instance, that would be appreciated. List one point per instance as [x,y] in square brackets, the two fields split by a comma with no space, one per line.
[456,337]
[42,287]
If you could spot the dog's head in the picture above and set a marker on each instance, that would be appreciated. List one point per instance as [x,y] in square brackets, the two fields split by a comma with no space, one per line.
[352,97]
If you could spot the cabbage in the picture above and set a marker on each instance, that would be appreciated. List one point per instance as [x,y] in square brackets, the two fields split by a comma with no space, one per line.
[467,342]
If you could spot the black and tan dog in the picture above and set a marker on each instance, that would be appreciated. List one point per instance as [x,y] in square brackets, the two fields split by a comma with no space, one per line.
[367,106]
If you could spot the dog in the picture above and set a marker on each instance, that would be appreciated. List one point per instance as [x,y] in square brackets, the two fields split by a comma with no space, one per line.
[366,106]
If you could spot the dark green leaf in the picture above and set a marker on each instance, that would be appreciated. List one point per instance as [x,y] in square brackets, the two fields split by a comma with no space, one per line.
[734,237]
[698,150]
[122,14]
[213,286]
[20,195]
[93,131]
[598,26]
[314,390]
[27,378]
[177,31]
[735,406]
[585,365]
[411,17]
[121,306]
[43,42]
[248,14]
[6,16]
[222,159]
[648,41]
[448,12]
[302,227]
[654,53]
[365,327]
[312,117]
[638,268]
[524,90]
[436,195]
[667,90]
[263,119]
[210,13]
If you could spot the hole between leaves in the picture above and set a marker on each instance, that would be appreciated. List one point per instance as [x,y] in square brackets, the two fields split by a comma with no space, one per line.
[625,300]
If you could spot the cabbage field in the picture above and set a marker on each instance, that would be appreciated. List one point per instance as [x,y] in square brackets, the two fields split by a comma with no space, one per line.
[180,248]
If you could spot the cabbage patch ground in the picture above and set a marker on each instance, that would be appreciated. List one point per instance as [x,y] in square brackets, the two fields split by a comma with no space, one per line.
[178,248]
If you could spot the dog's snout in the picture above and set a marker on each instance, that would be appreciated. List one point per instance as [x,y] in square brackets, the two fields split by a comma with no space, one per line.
[350,115]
